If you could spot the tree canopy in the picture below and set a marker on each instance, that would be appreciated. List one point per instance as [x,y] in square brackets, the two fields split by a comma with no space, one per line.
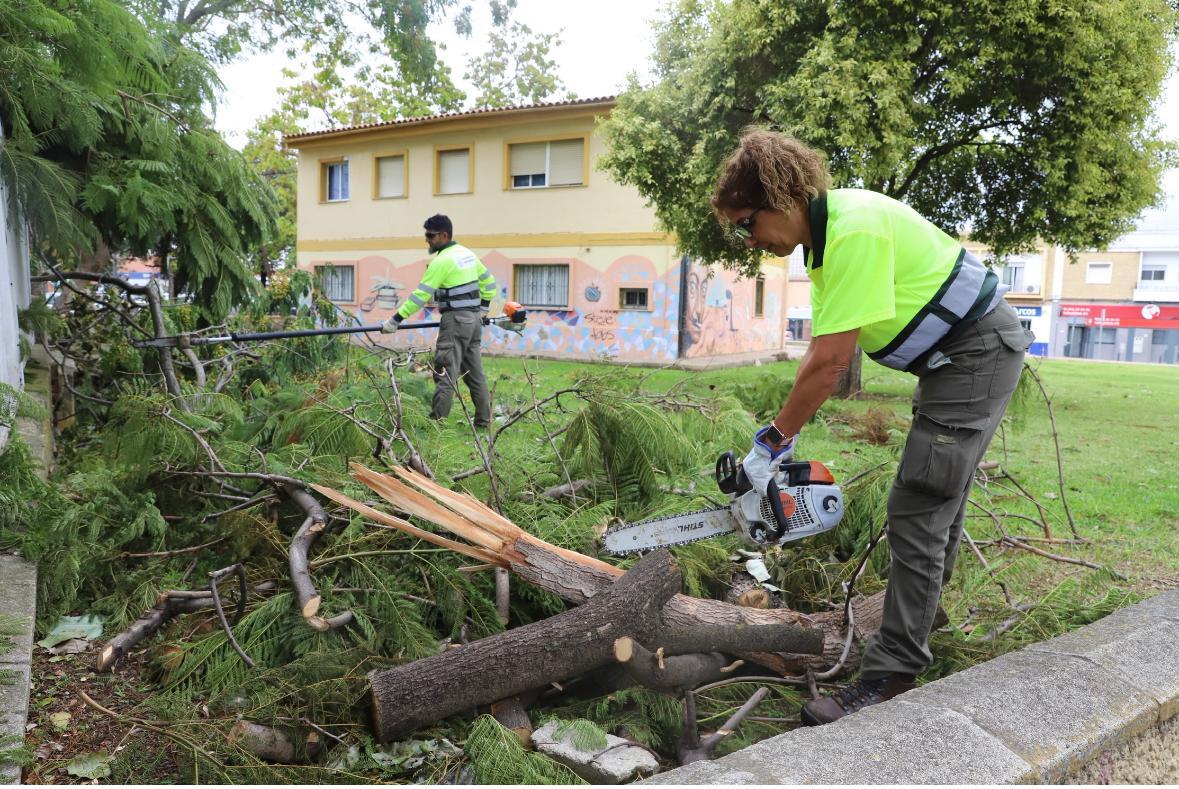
[1012,120]
[109,148]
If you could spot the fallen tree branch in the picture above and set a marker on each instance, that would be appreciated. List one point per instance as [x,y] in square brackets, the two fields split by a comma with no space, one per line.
[1056,442]
[167,605]
[1015,543]
[215,577]
[555,649]
[306,595]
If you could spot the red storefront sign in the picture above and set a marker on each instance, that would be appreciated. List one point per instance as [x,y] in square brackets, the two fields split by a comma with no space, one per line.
[1124,316]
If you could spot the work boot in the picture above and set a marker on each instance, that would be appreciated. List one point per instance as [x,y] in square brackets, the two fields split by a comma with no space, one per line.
[861,693]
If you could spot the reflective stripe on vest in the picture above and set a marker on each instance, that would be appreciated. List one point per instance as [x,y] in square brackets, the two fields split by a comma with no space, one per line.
[458,297]
[970,291]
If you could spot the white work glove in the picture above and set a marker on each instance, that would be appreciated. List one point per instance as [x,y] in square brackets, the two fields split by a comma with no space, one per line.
[391,325]
[763,460]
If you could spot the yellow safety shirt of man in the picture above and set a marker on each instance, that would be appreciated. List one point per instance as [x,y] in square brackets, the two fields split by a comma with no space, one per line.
[877,265]
[455,279]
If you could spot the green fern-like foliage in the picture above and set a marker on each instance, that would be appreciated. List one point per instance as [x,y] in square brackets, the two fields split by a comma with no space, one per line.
[763,396]
[325,431]
[624,446]
[498,758]
[581,734]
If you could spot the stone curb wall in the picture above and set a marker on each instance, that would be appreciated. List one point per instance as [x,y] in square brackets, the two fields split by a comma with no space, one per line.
[18,583]
[1037,715]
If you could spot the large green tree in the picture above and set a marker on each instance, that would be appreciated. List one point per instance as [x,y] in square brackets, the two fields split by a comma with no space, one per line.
[1013,120]
[109,148]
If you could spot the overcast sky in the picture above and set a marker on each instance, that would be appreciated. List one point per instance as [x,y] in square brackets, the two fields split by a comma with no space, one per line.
[602,41]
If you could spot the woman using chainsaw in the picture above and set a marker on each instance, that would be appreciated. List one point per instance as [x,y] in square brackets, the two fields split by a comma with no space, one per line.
[888,280]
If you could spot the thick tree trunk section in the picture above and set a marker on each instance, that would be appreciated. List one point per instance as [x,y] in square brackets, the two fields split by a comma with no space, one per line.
[504,665]
[689,623]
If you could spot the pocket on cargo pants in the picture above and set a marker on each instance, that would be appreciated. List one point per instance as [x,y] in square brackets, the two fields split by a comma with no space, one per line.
[940,456]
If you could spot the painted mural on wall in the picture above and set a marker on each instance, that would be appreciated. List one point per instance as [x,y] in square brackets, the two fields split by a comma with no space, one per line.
[595,324]
[719,315]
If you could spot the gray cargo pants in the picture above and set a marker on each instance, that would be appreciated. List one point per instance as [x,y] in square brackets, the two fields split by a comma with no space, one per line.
[961,394]
[457,354]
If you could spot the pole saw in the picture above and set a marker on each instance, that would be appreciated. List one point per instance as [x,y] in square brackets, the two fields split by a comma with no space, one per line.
[514,319]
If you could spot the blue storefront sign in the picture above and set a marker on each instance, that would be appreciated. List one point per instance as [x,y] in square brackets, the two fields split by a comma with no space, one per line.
[1028,312]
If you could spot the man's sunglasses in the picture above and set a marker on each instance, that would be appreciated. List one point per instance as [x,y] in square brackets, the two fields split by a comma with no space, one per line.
[743,228]
[432,233]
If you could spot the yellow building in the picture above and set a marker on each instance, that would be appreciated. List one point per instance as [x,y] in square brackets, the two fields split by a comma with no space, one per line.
[582,252]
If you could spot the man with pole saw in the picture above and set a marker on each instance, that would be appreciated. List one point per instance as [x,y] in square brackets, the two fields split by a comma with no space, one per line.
[463,288]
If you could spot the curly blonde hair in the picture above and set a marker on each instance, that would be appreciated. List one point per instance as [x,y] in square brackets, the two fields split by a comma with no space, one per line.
[769,169]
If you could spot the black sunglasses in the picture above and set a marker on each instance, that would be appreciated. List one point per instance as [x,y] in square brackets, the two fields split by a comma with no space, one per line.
[432,233]
[743,228]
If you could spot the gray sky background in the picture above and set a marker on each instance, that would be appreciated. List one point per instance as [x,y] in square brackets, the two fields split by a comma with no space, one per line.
[603,41]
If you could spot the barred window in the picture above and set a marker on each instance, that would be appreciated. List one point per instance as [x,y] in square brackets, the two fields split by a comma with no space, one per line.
[336,282]
[542,285]
[632,298]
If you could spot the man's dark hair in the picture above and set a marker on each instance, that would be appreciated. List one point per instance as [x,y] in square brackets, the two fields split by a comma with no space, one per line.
[439,223]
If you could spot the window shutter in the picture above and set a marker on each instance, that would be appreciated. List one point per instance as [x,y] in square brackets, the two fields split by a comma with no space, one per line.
[454,171]
[391,176]
[566,160]
[528,158]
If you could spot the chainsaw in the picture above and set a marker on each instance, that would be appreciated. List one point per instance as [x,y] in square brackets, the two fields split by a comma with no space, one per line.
[801,500]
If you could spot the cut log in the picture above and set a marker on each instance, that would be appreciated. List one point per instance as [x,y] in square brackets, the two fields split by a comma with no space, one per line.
[669,674]
[513,716]
[577,578]
[561,647]
[265,742]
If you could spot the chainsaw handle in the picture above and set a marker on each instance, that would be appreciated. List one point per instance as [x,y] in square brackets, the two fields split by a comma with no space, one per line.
[730,477]
[779,526]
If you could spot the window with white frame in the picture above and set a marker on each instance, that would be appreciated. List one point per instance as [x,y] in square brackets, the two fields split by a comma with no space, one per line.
[337,282]
[541,285]
[454,171]
[759,296]
[391,176]
[335,181]
[1012,274]
[632,298]
[1153,273]
[534,165]
[1099,274]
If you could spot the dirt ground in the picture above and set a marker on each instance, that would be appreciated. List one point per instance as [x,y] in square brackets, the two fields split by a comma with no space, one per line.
[56,739]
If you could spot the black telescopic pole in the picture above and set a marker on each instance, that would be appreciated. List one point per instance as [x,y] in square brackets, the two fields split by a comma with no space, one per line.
[280,335]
